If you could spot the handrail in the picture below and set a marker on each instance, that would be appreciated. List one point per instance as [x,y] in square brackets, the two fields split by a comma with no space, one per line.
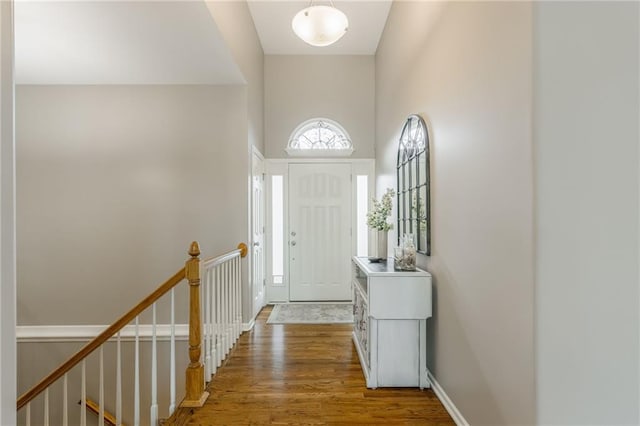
[242,250]
[101,338]
[221,259]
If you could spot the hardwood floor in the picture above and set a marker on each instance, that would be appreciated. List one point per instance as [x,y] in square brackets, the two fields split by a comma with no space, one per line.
[305,375]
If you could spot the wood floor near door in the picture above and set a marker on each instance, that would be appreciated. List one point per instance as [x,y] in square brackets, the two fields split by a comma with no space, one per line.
[286,374]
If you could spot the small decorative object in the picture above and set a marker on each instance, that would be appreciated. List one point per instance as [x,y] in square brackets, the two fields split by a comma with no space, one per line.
[405,256]
[398,255]
[377,220]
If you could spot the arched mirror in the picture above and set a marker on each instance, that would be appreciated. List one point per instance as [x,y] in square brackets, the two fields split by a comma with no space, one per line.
[413,183]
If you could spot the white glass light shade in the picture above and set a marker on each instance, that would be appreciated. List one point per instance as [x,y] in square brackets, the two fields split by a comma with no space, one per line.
[320,25]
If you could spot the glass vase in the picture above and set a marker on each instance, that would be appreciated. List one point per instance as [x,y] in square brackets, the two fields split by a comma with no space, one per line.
[408,253]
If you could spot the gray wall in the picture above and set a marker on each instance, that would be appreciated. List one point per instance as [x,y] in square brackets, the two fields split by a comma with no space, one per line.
[234,21]
[466,68]
[586,139]
[340,88]
[7,220]
[236,25]
[114,182]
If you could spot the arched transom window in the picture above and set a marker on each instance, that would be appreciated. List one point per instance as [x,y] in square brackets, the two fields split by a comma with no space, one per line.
[320,136]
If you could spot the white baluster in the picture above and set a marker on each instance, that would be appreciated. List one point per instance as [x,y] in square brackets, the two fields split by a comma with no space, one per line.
[234,299]
[172,385]
[101,409]
[136,391]
[236,281]
[154,369]
[230,326]
[232,310]
[231,306]
[46,407]
[225,311]
[65,402]
[240,290]
[221,321]
[28,415]
[223,324]
[231,313]
[234,325]
[212,301]
[218,315]
[118,382]
[239,286]
[83,395]
[207,338]
[229,310]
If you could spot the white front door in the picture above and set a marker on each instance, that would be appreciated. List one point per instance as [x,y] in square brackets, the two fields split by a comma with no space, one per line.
[319,231]
[257,233]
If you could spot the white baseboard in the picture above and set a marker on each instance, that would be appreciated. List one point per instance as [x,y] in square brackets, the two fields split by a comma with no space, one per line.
[333,302]
[247,326]
[451,408]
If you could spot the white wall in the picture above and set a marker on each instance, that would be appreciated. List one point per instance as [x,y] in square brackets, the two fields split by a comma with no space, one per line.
[340,88]
[466,68]
[7,221]
[114,182]
[586,138]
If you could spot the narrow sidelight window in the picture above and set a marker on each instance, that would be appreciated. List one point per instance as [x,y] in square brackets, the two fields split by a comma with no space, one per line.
[277,226]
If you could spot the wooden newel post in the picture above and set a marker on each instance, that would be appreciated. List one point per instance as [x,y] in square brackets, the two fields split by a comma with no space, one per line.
[196,394]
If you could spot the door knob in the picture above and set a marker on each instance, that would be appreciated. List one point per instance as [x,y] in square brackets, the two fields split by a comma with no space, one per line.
[256,244]
[293,233]
[293,243]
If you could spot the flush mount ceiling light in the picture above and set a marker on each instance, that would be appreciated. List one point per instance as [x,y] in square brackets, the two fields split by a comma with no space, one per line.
[320,25]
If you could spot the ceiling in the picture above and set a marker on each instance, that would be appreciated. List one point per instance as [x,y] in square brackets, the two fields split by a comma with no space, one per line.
[164,42]
[272,19]
[120,42]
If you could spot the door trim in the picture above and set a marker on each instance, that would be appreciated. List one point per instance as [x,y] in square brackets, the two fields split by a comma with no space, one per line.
[280,167]
[255,153]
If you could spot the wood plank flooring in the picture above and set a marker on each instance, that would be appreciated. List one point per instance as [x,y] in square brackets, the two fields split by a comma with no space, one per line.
[305,375]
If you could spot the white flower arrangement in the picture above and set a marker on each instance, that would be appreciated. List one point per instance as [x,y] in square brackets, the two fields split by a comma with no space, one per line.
[377,218]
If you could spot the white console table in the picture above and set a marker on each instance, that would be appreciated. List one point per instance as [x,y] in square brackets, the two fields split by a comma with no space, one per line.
[390,311]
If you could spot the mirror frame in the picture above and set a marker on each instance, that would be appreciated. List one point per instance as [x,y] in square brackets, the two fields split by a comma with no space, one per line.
[413,183]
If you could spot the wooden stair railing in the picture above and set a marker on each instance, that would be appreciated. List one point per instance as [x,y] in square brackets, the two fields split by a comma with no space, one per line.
[195,393]
[101,339]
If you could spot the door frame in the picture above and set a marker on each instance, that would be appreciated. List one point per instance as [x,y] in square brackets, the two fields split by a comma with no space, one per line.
[280,167]
[256,306]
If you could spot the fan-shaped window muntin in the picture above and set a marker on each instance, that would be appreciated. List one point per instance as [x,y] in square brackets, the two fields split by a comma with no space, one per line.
[319,136]
[413,183]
